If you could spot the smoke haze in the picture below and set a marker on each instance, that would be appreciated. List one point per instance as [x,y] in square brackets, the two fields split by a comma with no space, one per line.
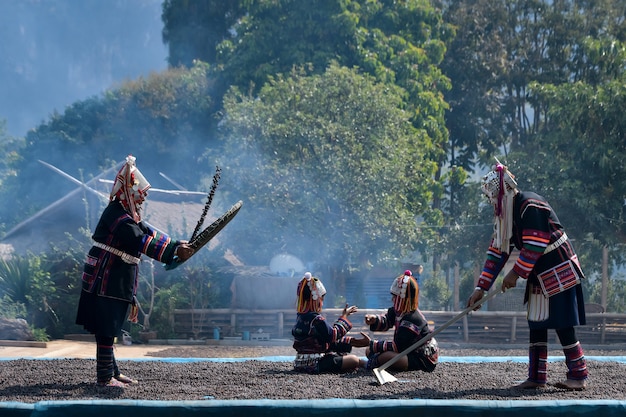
[56,52]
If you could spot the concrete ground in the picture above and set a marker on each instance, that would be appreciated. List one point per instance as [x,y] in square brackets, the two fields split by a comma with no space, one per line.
[84,349]
[72,349]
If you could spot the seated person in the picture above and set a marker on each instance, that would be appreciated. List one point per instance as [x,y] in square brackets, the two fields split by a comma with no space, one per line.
[410,326]
[322,347]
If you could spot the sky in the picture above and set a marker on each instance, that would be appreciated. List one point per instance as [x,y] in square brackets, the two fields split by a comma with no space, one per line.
[57,52]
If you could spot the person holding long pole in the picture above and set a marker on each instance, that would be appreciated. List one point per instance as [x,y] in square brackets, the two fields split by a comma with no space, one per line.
[549,265]
[409,326]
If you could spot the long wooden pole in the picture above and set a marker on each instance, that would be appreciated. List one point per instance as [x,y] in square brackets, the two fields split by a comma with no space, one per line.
[438,330]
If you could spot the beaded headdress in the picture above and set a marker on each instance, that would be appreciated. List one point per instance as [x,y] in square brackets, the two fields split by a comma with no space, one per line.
[500,187]
[406,290]
[130,188]
[310,294]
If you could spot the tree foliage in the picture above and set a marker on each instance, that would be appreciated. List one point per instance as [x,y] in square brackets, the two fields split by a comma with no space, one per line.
[24,281]
[502,48]
[164,120]
[331,165]
[539,83]
[581,155]
[399,43]
[194,29]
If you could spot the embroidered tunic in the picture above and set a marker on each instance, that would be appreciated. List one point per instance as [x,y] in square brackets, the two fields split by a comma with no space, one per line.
[409,329]
[314,337]
[535,228]
[106,276]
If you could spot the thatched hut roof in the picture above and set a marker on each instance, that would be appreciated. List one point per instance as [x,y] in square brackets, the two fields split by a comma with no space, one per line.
[175,212]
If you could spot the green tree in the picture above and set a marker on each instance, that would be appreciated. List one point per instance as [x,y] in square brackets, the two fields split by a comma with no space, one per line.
[25,282]
[580,154]
[475,62]
[164,120]
[11,148]
[194,29]
[435,294]
[397,42]
[501,48]
[326,163]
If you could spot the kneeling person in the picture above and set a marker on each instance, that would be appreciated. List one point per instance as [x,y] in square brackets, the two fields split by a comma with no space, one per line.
[321,347]
[410,326]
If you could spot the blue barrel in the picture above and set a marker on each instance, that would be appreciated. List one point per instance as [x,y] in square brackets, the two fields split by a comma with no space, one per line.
[216,333]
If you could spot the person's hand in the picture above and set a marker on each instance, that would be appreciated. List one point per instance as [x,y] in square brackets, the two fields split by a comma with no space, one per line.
[510,280]
[363,341]
[183,252]
[349,310]
[476,296]
[370,319]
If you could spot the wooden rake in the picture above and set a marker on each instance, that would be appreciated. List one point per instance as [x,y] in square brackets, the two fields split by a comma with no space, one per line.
[383,376]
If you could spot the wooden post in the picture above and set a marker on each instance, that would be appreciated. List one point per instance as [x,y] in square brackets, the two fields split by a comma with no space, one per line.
[603,330]
[281,325]
[605,289]
[465,329]
[514,329]
[605,277]
[456,286]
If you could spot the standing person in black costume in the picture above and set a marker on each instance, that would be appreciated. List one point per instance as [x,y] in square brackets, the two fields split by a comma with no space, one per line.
[549,265]
[410,326]
[110,274]
[320,346]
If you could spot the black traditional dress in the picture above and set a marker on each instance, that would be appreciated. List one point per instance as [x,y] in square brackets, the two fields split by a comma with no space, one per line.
[546,260]
[318,344]
[110,274]
[409,329]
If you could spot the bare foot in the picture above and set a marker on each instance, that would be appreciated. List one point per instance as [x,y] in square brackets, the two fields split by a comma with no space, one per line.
[529,385]
[572,384]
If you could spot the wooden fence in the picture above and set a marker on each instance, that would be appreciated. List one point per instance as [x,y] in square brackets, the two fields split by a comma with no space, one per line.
[486,327]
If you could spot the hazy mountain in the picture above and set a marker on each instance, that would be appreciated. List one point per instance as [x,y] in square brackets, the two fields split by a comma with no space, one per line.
[56,52]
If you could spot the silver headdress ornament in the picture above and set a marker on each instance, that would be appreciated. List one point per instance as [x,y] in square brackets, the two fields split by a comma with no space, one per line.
[316,286]
[405,288]
[400,284]
[130,188]
[500,188]
[310,294]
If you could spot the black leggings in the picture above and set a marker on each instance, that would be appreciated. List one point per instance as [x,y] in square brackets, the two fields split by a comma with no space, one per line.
[567,336]
[106,366]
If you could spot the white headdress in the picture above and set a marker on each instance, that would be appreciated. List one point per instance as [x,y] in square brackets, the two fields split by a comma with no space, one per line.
[310,293]
[500,188]
[130,188]
[406,290]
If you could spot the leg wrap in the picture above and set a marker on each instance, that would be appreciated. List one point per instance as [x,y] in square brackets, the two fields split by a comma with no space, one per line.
[538,362]
[116,370]
[105,360]
[538,356]
[575,360]
[372,361]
